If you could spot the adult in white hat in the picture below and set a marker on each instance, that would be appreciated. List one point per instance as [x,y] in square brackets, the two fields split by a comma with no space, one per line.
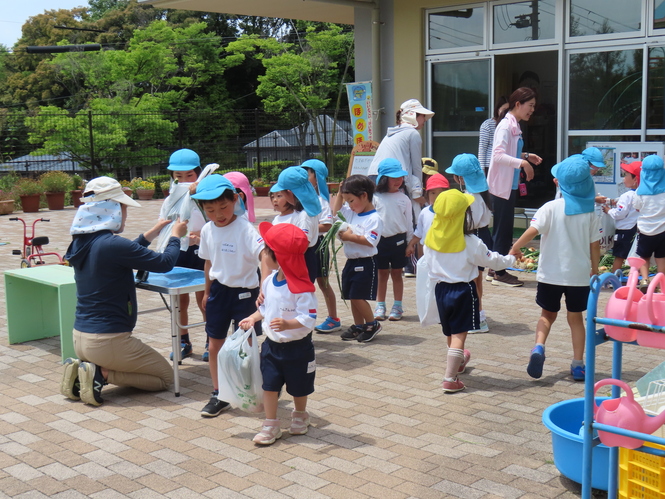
[106,296]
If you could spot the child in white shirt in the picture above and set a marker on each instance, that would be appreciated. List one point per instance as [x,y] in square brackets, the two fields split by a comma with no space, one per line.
[436,184]
[650,202]
[289,315]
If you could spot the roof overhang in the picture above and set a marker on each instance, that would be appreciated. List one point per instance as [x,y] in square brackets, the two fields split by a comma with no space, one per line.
[332,11]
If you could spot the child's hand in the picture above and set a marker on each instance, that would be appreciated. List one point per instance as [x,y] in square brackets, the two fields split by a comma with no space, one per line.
[194,238]
[516,253]
[260,299]
[179,228]
[278,325]
[247,323]
[605,208]
[192,188]
[410,249]
[204,301]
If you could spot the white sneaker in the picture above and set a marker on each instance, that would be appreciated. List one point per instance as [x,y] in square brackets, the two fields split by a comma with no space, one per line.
[483,328]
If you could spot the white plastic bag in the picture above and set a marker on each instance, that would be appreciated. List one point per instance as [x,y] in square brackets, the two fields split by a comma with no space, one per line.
[607,228]
[428,312]
[239,372]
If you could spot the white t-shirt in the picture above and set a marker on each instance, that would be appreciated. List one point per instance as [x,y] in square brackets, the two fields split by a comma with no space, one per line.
[366,224]
[652,214]
[309,225]
[463,265]
[325,217]
[281,303]
[396,214]
[625,215]
[233,251]
[480,213]
[565,255]
[425,220]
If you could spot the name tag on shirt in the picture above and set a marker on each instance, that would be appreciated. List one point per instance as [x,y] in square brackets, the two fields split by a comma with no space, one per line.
[244,296]
[228,248]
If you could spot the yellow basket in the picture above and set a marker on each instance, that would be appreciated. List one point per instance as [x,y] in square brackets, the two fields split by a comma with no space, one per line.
[641,475]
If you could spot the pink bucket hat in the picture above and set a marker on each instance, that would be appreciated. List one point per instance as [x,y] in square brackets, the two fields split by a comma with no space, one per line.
[240,181]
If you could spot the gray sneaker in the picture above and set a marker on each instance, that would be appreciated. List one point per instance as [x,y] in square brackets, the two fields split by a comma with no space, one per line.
[506,280]
[214,407]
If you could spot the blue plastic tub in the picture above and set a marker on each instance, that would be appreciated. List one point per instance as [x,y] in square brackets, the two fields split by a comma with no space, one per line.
[565,420]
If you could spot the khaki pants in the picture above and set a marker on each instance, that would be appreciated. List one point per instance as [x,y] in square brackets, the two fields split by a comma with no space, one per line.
[130,362]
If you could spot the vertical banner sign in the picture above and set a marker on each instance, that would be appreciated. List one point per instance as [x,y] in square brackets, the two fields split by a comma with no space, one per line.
[360,108]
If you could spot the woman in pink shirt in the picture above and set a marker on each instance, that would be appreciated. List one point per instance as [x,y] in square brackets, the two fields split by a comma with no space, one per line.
[504,173]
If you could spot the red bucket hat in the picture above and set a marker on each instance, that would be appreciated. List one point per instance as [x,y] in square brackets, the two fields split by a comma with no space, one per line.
[437,181]
[633,168]
[289,244]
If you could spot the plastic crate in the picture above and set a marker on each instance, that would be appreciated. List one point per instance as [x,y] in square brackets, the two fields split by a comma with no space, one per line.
[641,475]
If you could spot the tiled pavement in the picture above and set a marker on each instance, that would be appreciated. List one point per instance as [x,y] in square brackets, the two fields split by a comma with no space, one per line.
[382,428]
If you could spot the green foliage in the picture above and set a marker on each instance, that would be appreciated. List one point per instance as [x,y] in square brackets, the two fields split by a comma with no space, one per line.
[162,182]
[77,182]
[8,181]
[28,187]
[55,181]
[137,183]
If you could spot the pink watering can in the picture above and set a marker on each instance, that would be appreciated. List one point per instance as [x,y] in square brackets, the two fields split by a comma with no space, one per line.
[651,310]
[623,304]
[623,412]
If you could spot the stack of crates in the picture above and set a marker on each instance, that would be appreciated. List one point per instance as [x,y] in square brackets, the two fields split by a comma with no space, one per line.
[641,475]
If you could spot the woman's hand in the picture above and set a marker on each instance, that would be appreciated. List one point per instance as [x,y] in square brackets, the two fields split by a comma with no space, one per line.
[528,170]
[151,234]
[179,228]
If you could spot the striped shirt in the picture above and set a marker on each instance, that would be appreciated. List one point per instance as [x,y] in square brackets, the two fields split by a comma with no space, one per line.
[485,143]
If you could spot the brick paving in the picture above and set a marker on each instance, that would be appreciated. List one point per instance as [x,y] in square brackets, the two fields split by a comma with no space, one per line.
[382,428]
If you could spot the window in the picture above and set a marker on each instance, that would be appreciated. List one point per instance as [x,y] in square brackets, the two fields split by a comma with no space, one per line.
[453,29]
[598,17]
[524,21]
[655,90]
[659,14]
[606,90]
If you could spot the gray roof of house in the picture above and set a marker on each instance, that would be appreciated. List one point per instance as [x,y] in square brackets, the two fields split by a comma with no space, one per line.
[296,137]
[41,163]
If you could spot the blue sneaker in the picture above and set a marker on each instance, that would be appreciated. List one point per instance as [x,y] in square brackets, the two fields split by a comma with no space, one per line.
[206,355]
[329,325]
[535,367]
[185,352]
[577,372]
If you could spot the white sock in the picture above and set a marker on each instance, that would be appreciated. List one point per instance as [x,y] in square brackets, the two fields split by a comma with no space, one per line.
[455,358]
[482,316]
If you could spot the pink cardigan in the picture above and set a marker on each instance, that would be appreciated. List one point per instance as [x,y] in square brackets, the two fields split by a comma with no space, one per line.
[504,163]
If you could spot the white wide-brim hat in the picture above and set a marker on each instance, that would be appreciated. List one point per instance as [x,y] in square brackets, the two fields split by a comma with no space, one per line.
[105,188]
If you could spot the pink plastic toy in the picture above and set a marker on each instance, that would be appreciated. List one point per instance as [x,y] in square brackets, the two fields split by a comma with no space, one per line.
[623,412]
[651,310]
[623,304]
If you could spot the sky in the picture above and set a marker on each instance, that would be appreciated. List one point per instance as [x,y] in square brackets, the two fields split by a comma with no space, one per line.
[15,13]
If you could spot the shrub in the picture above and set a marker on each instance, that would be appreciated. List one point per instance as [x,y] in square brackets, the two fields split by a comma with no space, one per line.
[77,182]
[138,183]
[28,187]
[56,181]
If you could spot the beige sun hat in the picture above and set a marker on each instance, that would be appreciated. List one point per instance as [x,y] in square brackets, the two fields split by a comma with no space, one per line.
[106,188]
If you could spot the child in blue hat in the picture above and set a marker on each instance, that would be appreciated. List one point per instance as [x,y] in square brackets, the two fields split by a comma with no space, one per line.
[650,202]
[231,248]
[394,208]
[569,252]
[469,175]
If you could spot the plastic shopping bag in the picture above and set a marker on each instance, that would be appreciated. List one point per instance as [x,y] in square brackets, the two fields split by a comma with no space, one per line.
[428,312]
[239,372]
[607,230]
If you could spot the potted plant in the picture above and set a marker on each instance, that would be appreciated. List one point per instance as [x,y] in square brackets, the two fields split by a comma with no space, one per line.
[144,189]
[165,186]
[55,183]
[261,187]
[77,190]
[30,192]
[6,202]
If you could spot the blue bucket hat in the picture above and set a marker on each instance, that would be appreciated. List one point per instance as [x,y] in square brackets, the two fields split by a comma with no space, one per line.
[321,171]
[576,184]
[213,186]
[468,167]
[183,160]
[652,178]
[295,179]
[594,156]
[390,167]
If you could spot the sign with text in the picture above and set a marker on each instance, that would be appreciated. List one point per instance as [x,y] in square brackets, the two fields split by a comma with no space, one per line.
[360,108]
[361,157]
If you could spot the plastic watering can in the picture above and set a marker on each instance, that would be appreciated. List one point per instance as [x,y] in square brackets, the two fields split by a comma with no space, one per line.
[623,412]
[651,310]
[623,304]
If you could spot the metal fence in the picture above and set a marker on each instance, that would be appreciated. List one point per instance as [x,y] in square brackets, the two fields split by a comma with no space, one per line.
[130,145]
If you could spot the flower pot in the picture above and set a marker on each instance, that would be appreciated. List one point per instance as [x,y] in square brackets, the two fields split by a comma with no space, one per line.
[76,198]
[30,203]
[128,191]
[333,186]
[145,194]
[6,207]
[262,191]
[55,200]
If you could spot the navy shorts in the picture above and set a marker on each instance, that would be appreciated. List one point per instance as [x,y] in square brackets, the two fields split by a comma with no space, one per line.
[623,241]
[651,245]
[292,364]
[311,261]
[321,258]
[458,307]
[486,237]
[391,252]
[190,259]
[226,305]
[359,279]
[548,297]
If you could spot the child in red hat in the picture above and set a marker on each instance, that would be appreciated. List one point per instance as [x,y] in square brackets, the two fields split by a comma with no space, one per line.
[289,315]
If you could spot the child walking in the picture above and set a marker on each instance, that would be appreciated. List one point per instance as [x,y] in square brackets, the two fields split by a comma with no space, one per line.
[360,238]
[231,248]
[569,253]
[289,314]
[453,254]
[470,176]
[436,184]
[318,173]
[394,209]
[650,201]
